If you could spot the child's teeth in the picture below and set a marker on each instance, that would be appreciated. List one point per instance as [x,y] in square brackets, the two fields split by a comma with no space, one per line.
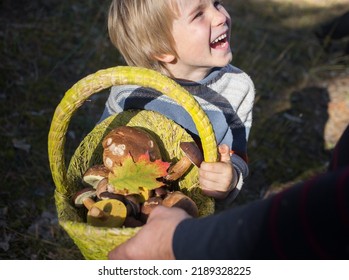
[220,38]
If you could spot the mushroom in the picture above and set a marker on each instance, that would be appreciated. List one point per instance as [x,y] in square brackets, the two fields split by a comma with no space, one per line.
[161,191]
[192,155]
[180,200]
[108,195]
[133,205]
[132,202]
[123,141]
[102,187]
[115,213]
[132,222]
[143,193]
[85,197]
[148,206]
[94,175]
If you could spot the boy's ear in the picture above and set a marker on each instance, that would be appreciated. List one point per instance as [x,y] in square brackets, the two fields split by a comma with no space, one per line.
[167,58]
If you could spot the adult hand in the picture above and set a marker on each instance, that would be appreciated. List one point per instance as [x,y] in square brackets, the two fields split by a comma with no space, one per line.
[217,179]
[154,239]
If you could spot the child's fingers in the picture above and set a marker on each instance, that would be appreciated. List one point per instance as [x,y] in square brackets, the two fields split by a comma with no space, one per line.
[220,173]
[212,173]
[215,167]
[214,189]
[224,152]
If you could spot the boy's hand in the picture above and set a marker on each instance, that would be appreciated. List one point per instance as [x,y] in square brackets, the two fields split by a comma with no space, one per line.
[217,179]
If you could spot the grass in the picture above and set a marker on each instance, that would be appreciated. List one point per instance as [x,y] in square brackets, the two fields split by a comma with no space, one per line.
[48,45]
[277,47]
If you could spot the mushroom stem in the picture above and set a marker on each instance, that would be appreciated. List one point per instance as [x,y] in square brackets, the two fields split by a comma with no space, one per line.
[176,171]
[94,211]
[98,213]
[192,155]
[88,202]
[180,200]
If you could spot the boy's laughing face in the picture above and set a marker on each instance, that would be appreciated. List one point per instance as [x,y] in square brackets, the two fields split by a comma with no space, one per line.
[202,36]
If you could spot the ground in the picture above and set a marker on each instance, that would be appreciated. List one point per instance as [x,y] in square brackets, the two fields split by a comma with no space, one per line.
[301,108]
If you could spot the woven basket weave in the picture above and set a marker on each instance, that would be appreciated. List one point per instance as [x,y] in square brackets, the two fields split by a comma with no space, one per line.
[96,242]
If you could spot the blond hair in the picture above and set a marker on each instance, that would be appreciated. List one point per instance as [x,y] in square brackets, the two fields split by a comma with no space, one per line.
[142,31]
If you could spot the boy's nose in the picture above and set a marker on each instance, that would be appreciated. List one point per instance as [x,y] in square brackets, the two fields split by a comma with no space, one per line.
[219,17]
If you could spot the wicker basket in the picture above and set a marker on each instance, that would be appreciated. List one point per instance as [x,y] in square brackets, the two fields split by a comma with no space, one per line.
[96,242]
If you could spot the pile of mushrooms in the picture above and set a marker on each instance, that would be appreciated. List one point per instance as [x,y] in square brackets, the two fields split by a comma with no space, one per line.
[108,206]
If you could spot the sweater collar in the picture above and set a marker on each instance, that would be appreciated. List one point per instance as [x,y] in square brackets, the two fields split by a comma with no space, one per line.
[209,78]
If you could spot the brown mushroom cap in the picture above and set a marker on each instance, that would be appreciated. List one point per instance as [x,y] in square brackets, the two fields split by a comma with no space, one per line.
[132,222]
[148,206]
[108,195]
[123,141]
[192,151]
[180,200]
[161,191]
[83,194]
[133,205]
[94,175]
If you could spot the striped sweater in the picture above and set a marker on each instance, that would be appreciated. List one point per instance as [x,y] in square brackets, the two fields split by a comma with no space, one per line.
[226,95]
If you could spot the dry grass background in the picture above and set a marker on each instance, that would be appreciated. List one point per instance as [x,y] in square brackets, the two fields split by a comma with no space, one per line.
[48,45]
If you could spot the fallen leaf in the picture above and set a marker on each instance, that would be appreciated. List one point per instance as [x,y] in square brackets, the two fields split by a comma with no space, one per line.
[143,173]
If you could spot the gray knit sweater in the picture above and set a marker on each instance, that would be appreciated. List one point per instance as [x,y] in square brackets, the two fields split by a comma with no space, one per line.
[226,95]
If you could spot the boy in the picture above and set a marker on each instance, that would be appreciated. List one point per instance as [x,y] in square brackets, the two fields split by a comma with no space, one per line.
[189,42]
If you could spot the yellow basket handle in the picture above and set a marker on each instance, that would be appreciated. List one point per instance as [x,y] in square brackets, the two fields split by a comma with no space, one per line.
[107,78]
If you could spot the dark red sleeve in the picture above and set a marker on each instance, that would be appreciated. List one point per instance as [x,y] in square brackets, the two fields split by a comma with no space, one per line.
[340,156]
[307,221]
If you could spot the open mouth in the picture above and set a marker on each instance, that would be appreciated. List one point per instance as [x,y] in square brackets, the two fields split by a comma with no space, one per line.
[220,41]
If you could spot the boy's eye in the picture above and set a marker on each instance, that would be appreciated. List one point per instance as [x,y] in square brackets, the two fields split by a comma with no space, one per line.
[199,14]
[217,3]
